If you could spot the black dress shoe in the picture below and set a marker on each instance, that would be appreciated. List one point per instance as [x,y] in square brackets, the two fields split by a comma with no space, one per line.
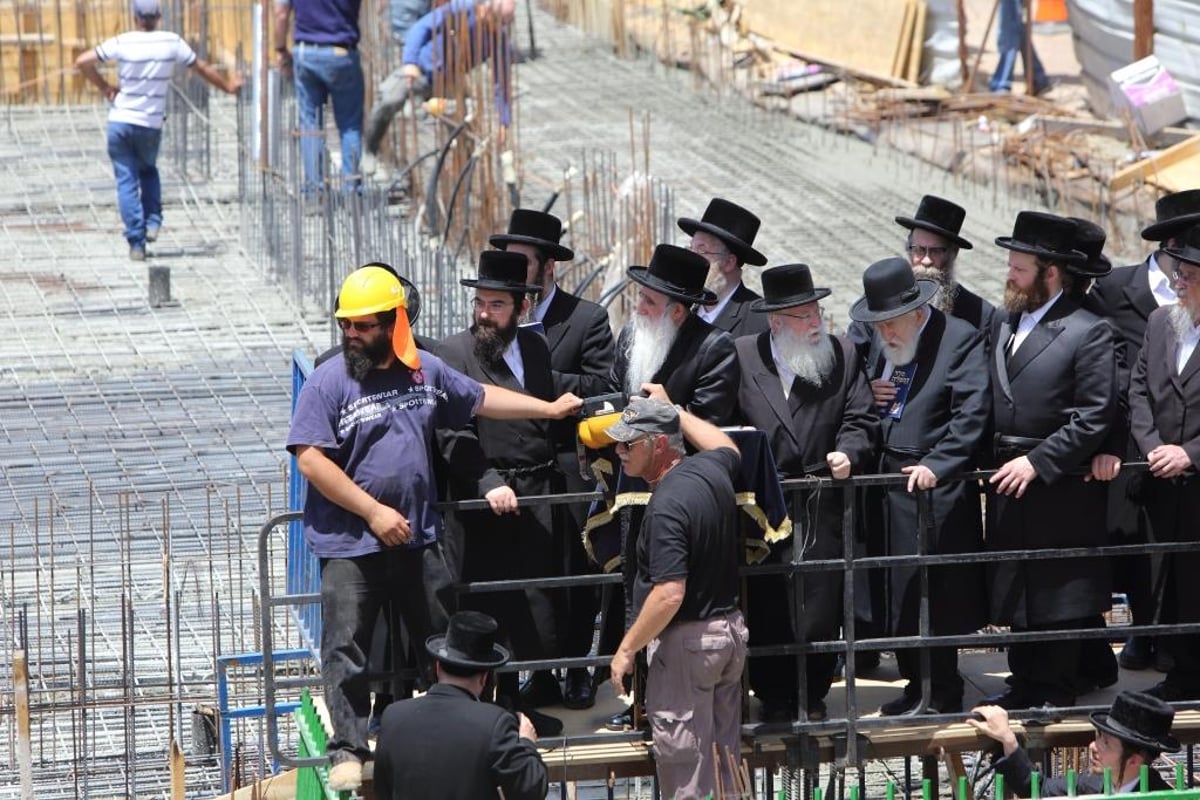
[1137,654]
[816,711]
[580,691]
[907,701]
[621,721]
[540,690]
[544,724]
[775,712]
[1020,699]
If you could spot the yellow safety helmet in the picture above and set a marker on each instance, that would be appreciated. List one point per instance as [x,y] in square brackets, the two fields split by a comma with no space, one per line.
[592,432]
[369,290]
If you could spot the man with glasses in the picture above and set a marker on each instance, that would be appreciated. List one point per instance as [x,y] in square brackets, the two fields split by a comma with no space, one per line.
[932,430]
[724,236]
[1164,399]
[362,434]
[1127,297]
[805,390]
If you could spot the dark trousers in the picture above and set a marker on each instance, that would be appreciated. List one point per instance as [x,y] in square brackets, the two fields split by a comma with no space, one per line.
[1046,671]
[775,679]
[582,602]
[353,590]
[945,684]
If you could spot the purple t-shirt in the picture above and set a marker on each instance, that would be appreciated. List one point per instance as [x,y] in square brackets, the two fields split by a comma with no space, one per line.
[380,432]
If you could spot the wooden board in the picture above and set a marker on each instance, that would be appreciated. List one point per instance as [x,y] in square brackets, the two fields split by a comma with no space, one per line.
[1174,169]
[917,46]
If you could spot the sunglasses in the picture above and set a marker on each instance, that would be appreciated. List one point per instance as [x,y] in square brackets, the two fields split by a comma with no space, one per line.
[361,327]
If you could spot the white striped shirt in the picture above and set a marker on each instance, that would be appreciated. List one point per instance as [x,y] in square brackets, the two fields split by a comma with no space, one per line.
[145,60]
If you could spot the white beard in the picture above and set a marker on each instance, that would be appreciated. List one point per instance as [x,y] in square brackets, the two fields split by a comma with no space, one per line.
[1181,320]
[947,286]
[719,282]
[901,354]
[649,342]
[812,363]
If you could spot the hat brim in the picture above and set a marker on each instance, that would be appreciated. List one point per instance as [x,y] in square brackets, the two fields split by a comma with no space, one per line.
[436,646]
[1191,255]
[1092,268]
[1066,256]
[619,431]
[1161,231]
[912,222]
[926,289]
[642,275]
[499,286]
[741,249]
[553,249]
[1169,744]
[765,306]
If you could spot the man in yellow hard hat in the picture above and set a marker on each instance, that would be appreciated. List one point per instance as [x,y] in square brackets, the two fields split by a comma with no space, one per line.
[362,434]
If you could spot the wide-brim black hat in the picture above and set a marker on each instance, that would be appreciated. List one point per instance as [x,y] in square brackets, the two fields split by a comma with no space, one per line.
[1140,719]
[676,272]
[939,216]
[1089,240]
[1174,213]
[787,286]
[536,228]
[468,643]
[889,290]
[1189,251]
[732,224]
[1047,236]
[502,271]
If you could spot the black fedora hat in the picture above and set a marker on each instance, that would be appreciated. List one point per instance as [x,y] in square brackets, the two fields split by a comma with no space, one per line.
[1047,236]
[469,643]
[1173,213]
[1089,240]
[537,228]
[732,224]
[787,286]
[505,272]
[1189,251]
[939,216]
[1140,719]
[676,272]
[889,290]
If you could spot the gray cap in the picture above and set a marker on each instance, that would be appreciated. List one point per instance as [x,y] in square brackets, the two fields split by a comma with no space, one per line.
[643,416]
[146,8]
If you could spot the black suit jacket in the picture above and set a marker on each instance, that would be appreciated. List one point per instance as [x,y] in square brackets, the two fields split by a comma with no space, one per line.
[699,373]
[1017,770]
[447,745]
[1124,297]
[581,343]
[736,318]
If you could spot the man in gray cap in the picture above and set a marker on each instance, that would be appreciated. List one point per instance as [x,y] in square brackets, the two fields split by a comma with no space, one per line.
[685,590]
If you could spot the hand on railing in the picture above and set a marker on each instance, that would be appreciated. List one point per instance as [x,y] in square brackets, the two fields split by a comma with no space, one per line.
[503,500]
[920,477]
[1014,477]
[1105,467]
[1168,461]
[839,465]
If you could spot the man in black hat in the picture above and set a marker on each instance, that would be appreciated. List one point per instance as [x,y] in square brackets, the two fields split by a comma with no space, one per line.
[1127,296]
[724,236]
[501,459]
[932,430]
[447,744]
[1164,399]
[805,390]
[581,358]
[1054,401]
[1134,732]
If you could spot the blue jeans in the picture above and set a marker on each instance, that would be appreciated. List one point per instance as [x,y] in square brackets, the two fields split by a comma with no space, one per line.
[1010,42]
[352,592]
[328,72]
[134,153]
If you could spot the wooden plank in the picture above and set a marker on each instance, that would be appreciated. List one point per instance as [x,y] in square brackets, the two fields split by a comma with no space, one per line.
[1143,28]
[1178,159]
[918,43]
[900,56]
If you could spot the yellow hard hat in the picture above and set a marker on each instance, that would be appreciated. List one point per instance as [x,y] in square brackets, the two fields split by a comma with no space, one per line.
[369,290]
[592,431]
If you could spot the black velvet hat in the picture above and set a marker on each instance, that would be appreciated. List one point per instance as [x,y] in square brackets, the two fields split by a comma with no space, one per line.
[503,271]
[1044,235]
[537,228]
[890,289]
[787,286]
[732,224]
[676,272]
[1174,213]
[1189,251]
[469,643]
[1140,719]
[1089,240]
[939,216]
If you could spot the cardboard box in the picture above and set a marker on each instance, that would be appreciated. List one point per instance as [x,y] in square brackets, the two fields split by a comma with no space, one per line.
[1150,93]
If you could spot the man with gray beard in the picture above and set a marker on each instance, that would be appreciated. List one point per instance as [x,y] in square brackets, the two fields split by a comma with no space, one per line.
[1164,399]
[932,430]
[804,389]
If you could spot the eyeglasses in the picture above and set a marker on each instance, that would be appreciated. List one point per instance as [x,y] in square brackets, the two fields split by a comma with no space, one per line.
[491,306]
[808,317]
[361,327]
[917,251]
[630,445]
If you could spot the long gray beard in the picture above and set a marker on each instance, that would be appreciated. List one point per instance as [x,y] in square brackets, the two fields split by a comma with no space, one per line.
[649,343]
[902,354]
[947,286]
[812,363]
[1181,320]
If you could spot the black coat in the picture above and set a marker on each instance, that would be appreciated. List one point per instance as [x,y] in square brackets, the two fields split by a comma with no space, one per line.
[1017,770]
[1060,387]
[944,427]
[699,373]
[1124,297]
[737,319]
[1165,409]
[447,745]
[802,429]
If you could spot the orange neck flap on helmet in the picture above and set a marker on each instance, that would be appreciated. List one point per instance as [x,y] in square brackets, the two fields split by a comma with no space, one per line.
[403,344]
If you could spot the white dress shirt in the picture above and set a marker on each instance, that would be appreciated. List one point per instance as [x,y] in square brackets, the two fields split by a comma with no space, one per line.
[710,313]
[512,357]
[1029,321]
[1160,284]
[539,311]
[1187,346]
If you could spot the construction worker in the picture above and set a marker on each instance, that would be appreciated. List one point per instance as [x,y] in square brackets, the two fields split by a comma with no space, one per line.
[362,434]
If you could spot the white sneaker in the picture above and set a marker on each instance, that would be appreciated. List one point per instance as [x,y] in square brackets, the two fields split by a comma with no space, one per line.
[368,163]
[346,776]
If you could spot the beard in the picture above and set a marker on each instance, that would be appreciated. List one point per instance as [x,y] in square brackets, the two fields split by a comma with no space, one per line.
[719,282]
[901,353]
[1181,319]
[491,340]
[361,360]
[1019,300]
[947,285]
[811,360]
[649,342]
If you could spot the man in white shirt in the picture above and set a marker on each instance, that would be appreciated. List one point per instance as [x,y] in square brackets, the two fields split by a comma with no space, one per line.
[146,58]
[725,237]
